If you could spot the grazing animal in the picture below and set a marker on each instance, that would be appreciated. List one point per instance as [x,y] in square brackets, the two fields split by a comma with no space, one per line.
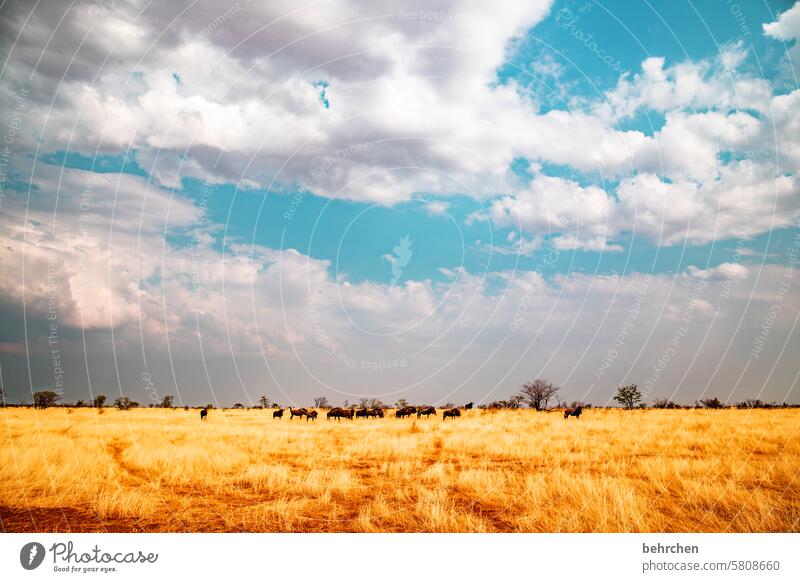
[469,405]
[376,412]
[452,413]
[405,411]
[296,412]
[576,412]
[362,413]
[426,411]
[340,413]
[311,415]
[278,414]
[203,414]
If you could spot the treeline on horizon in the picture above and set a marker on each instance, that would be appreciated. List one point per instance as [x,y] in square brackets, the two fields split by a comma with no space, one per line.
[537,395]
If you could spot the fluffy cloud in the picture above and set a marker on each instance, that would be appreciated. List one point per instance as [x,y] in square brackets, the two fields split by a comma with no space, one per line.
[581,217]
[723,272]
[787,27]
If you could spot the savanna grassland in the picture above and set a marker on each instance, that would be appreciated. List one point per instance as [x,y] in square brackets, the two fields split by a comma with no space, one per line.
[488,471]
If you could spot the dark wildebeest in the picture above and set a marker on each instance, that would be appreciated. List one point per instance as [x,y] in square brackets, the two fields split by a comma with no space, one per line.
[376,412]
[311,415]
[426,410]
[340,413]
[576,412]
[469,405]
[278,414]
[296,412]
[405,411]
[362,413]
[452,413]
[203,414]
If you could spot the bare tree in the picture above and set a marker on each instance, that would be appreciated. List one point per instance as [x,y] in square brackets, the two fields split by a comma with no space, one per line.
[321,402]
[264,401]
[364,401]
[539,393]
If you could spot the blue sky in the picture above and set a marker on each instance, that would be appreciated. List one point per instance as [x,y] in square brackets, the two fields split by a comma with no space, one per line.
[567,146]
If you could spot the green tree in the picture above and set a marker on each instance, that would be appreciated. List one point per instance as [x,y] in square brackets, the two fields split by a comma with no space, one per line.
[99,400]
[629,396]
[166,402]
[45,398]
[402,403]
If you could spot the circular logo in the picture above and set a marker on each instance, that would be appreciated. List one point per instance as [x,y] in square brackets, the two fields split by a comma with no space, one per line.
[31,555]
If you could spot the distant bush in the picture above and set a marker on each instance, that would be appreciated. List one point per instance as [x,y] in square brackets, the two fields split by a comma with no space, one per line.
[756,403]
[714,403]
[512,403]
[664,403]
[125,403]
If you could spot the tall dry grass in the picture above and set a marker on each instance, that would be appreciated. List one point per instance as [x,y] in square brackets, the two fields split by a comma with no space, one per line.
[610,471]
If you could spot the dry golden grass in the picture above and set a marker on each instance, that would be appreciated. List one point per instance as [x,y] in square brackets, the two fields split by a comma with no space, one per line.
[507,471]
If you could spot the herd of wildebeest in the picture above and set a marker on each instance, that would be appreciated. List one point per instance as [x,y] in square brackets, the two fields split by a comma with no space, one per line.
[338,413]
